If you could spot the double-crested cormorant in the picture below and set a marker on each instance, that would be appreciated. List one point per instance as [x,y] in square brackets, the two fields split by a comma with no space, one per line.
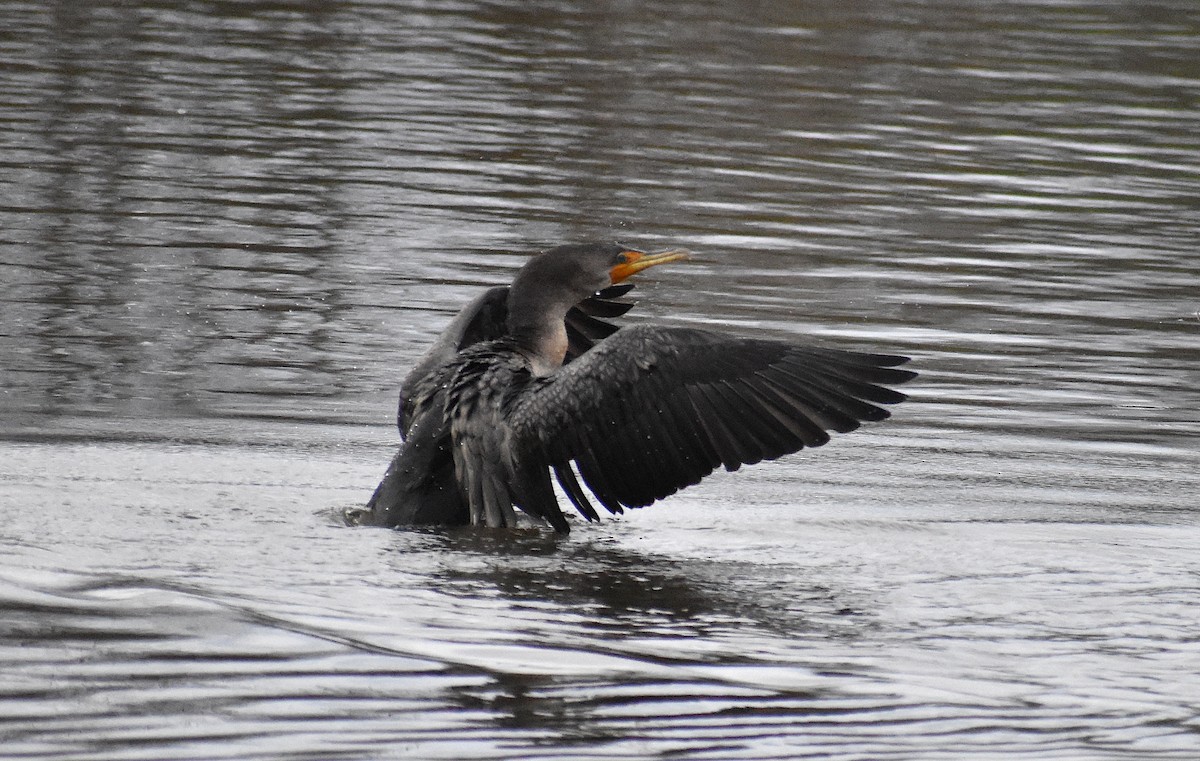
[530,378]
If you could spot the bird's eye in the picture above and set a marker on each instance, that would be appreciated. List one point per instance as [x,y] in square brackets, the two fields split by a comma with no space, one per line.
[622,259]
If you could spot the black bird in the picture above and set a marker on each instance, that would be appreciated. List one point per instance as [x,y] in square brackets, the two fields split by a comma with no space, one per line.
[530,378]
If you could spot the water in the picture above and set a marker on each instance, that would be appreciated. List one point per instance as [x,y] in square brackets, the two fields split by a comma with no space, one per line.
[228,229]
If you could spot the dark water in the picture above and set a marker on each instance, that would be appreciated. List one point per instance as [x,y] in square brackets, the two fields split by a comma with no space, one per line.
[226,229]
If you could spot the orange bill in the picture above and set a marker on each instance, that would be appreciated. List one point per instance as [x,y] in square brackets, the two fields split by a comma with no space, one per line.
[636,261]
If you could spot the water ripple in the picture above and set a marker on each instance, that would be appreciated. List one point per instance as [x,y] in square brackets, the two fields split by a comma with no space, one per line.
[228,229]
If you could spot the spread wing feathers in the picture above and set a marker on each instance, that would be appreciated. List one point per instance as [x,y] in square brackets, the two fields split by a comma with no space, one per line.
[476,386]
[485,490]
[586,321]
[493,476]
[652,410]
[482,317]
[485,318]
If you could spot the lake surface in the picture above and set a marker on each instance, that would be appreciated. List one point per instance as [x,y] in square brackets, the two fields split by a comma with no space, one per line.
[227,229]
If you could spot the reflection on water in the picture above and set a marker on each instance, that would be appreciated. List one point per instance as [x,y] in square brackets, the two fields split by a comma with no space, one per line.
[227,229]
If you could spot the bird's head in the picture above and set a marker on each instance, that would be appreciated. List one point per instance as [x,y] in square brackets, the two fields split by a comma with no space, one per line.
[578,270]
[550,284]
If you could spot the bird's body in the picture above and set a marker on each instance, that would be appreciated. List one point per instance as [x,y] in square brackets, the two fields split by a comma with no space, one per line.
[533,380]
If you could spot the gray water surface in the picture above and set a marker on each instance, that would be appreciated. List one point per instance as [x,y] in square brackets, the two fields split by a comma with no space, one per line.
[227,229]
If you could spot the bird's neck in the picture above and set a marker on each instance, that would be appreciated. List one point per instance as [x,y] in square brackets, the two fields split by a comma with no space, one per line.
[538,327]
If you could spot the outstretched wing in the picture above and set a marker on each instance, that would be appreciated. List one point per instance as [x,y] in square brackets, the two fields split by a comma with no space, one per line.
[482,319]
[485,318]
[587,321]
[651,410]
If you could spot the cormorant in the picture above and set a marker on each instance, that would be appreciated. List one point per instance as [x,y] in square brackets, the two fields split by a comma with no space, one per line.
[531,378]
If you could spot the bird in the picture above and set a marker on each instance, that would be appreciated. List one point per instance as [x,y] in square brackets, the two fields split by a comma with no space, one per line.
[532,379]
